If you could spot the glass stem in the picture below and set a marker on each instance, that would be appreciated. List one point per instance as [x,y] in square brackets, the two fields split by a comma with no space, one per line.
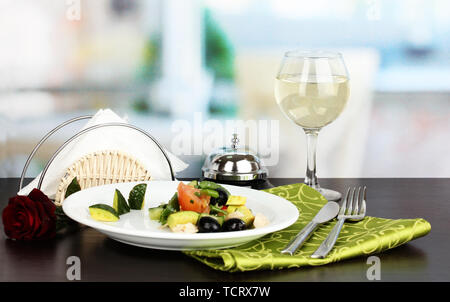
[311,140]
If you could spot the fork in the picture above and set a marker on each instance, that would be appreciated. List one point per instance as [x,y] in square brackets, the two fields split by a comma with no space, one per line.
[353,208]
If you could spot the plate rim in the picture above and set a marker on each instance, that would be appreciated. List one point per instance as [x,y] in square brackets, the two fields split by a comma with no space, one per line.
[181,236]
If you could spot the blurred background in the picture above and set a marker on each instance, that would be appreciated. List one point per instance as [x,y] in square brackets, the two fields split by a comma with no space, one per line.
[156,61]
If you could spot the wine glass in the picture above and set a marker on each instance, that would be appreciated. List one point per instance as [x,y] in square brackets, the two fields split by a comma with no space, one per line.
[312,88]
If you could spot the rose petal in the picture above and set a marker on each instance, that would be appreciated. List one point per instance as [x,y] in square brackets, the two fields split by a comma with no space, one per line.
[46,224]
[47,214]
[18,223]
[14,222]
[38,196]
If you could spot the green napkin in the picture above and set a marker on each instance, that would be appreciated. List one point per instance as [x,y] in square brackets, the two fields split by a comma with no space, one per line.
[369,236]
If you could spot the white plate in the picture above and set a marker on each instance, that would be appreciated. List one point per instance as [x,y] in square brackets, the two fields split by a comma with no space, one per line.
[136,228]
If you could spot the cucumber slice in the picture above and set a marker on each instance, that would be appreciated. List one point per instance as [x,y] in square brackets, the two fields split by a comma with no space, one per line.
[120,204]
[182,217]
[73,187]
[155,213]
[136,197]
[103,212]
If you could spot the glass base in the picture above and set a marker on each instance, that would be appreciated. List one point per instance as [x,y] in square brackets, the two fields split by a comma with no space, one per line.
[330,195]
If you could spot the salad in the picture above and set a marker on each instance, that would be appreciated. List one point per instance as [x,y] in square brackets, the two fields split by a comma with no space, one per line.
[206,207]
[199,206]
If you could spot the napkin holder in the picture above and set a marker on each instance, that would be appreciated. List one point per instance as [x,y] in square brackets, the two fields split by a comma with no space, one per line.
[93,178]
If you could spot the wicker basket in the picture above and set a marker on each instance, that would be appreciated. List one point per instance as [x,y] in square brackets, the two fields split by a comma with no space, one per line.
[100,168]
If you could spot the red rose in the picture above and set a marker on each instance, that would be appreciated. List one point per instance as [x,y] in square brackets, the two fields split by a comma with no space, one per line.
[30,217]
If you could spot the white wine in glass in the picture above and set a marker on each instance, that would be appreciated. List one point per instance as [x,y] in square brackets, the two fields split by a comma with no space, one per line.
[312,89]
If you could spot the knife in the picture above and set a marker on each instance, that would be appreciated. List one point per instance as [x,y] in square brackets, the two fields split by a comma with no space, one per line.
[326,213]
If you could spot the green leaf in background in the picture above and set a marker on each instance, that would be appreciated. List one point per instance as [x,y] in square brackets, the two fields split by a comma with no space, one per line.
[219,56]
[73,187]
[62,221]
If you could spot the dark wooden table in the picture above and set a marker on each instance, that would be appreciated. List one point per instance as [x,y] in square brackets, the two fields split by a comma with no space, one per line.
[103,259]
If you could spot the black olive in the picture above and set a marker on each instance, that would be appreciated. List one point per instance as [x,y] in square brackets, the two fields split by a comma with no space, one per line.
[208,225]
[222,199]
[233,224]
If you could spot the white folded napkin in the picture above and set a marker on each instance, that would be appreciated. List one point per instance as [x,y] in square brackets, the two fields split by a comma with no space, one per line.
[118,138]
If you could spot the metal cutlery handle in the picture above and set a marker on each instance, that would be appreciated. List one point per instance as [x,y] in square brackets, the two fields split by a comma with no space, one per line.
[300,238]
[328,243]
